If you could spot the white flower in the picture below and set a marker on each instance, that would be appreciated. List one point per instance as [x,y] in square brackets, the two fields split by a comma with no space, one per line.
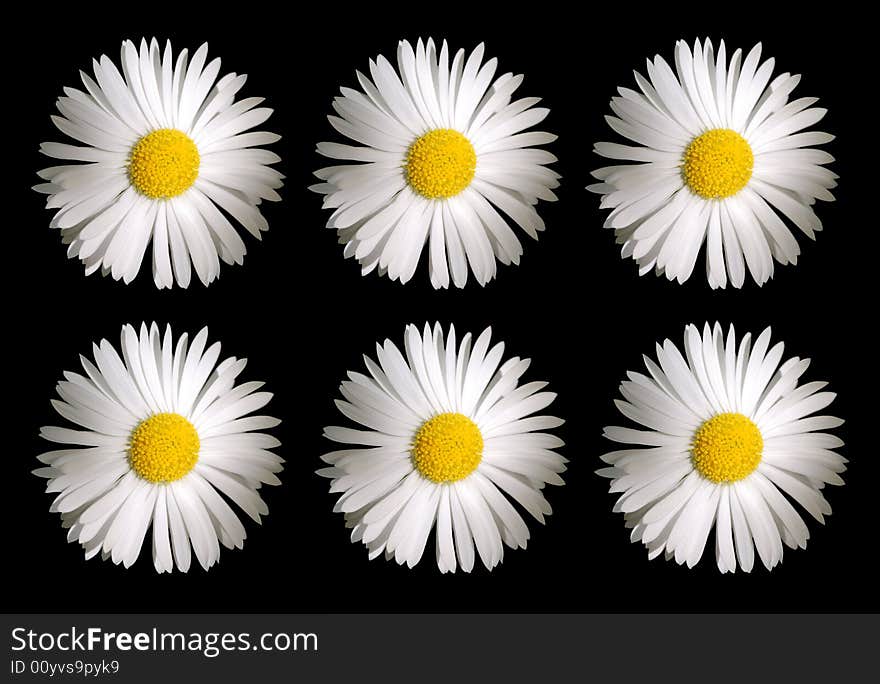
[166,431]
[165,150]
[721,160]
[439,153]
[729,435]
[447,437]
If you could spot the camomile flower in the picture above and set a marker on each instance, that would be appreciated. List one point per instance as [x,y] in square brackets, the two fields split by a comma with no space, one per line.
[717,155]
[164,439]
[730,441]
[440,158]
[449,441]
[162,153]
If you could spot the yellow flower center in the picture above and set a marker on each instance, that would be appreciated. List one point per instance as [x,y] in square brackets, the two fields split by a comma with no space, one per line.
[717,164]
[163,448]
[440,164]
[163,164]
[727,448]
[447,448]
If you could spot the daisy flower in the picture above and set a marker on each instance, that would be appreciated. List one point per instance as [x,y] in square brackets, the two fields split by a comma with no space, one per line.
[166,158]
[165,432]
[449,441]
[441,158]
[730,437]
[721,157]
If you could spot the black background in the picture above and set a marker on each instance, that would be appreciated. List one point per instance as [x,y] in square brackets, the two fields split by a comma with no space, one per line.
[303,316]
